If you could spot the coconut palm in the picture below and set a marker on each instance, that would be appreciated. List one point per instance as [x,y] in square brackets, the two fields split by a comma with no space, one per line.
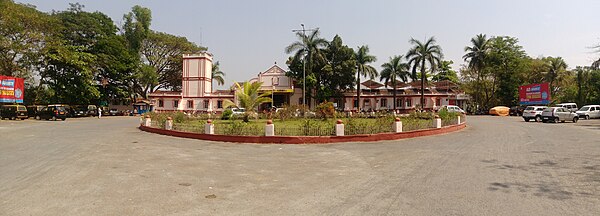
[392,71]
[555,68]
[217,74]
[476,55]
[308,48]
[249,98]
[419,56]
[363,68]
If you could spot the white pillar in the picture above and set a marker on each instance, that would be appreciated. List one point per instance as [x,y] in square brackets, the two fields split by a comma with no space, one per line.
[458,120]
[270,128]
[339,128]
[397,127]
[209,128]
[437,122]
[169,123]
[142,120]
[148,121]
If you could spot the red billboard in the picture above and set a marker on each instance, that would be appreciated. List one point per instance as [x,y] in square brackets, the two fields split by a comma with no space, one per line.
[11,89]
[534,94]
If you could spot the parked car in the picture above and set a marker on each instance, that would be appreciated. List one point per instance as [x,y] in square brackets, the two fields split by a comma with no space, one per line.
[452,108]
[32,110]
[52,112]
[556,114]
[533,112]
[499,111]
[569,106]
[13,112]
[66,109]
[516,110]
[92,110]
[115,112]
[589,111]
[238,111]
[79,111]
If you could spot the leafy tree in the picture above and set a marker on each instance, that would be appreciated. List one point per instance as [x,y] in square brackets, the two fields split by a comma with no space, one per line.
[363,59]
[419,56]
[308,52]
[555,70]
[217,74]
[337,75]
[506,60]
[476,56]
[249,98]
[445,72]
[136,28]
[163,52]
[392,71]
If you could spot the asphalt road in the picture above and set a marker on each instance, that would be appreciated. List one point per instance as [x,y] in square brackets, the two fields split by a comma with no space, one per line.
[496,166]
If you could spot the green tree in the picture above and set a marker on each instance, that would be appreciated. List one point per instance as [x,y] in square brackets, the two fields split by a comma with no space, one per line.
[421,55]
[308,52]
[505,61]
[338,73]
[363,59]
[555,70]
[249,98]
[445,72]
[392,71]
[136,28]
[476,56]
[217,74]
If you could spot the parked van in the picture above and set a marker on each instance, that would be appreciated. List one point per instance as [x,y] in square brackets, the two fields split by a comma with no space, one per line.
[589,111]
[13,112]
[569,106]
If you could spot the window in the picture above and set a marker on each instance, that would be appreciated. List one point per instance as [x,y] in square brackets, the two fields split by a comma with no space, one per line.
[384,102]
[408,103]
[220,104]
[355,103]
[206,104]
[399,102]
[275,81]
[161,103]
[190,104]
[437,101]
[176,103]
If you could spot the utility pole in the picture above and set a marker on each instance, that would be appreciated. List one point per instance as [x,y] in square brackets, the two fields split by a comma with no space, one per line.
[303,30]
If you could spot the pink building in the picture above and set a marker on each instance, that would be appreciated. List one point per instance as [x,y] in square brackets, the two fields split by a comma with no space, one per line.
[197,94]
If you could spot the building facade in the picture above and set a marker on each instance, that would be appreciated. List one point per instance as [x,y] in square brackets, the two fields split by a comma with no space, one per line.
[197,95]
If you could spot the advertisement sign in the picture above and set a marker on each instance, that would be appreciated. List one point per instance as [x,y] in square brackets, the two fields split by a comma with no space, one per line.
[534,94]
[11,89]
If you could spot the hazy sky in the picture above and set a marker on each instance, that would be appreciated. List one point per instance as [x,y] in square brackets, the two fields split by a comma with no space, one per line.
[247,37]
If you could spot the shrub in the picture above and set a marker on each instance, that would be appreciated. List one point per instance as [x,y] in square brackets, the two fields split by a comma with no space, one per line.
[325,110]
[226,115]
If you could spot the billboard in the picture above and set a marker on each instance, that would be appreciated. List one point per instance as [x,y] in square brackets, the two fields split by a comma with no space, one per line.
[11,89]
[534,94]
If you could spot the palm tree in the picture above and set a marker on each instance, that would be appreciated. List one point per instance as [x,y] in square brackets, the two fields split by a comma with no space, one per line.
[363,68]
[476,55]
[394,70]
[419,56]
[249,98]
[217,74]
[308,48]
[555,68]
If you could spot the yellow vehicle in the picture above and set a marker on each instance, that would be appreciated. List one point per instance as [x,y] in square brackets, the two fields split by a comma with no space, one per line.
[500,111]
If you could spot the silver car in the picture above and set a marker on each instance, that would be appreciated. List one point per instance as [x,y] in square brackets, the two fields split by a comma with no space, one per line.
[533,112]
[556,114]
[589,111]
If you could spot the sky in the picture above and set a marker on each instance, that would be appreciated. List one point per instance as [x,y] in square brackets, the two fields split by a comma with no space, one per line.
[248,37]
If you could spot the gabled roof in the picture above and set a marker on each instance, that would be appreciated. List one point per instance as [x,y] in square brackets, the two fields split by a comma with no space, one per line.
[274,70]
[371,84]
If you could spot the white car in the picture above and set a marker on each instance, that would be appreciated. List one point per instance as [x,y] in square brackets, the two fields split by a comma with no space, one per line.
[569,106]
[238,111]
[556,114]
[452,108]
[589,111]
[533,112]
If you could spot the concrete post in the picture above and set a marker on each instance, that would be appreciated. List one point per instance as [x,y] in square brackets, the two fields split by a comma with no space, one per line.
[142,121]
[339,128]
[209,128]
[148,121]
[397,127]
[270,128]
[169,124]
[458,120]
[437,122]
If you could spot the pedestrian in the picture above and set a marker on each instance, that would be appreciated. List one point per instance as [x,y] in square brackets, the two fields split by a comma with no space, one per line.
[99,112]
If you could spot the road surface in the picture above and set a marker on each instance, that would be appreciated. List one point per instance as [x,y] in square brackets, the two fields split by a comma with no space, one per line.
[496,166]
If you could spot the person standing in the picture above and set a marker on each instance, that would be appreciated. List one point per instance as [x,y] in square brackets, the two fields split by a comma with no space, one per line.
[99,112]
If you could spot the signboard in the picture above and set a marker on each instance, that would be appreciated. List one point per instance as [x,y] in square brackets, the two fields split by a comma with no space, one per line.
[534,94]
[11,89]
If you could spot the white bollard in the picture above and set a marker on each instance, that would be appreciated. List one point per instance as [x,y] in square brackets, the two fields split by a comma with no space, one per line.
[142,121]
[397,127]
[169,123]
[270,128]
[458,120]
[437,122]
[339,128]
[209,128]
[148,121]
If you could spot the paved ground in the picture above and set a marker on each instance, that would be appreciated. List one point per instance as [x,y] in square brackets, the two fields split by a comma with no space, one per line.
[497,166]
